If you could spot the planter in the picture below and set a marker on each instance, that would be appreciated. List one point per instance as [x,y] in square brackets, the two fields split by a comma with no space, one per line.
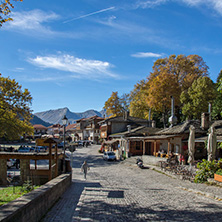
[218,178]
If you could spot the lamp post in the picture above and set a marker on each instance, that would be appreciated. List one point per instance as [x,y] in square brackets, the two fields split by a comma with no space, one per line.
[64,123]
[72,148]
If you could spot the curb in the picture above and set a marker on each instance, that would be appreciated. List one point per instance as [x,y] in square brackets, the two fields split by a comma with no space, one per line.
[206,194]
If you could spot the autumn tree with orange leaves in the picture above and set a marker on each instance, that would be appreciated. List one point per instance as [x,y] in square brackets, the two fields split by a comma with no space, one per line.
[114,105]
[172,76]
[138,105]
[5,11]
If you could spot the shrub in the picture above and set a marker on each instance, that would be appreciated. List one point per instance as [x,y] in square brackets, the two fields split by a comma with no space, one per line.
[27,186]
[219,172]
[206,170]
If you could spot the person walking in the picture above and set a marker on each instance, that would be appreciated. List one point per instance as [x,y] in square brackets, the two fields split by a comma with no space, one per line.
[85,168]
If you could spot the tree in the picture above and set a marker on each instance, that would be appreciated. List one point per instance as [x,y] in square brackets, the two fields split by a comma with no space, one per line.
[125,101]
[170,77]
[15,112]
[217,103]
[113,105]
[199,95]
[5,10]
[138,106]
[160,91]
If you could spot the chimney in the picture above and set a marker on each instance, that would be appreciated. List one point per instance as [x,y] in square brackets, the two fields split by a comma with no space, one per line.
[153,124]
[129,128]
[205,121]
[149,117]
[209,111]
[125,115]
[173,118]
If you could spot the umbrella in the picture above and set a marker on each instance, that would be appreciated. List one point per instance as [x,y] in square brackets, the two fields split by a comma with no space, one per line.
[211,144]
[191,145]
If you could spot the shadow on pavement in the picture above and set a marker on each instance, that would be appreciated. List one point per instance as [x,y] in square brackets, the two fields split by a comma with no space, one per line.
[103,211]
[63,210]
[77,188]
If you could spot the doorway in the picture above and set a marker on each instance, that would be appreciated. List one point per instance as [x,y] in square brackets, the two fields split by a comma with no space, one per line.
[148,148]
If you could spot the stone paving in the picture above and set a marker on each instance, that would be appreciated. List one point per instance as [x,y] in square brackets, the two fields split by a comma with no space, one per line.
[120,191]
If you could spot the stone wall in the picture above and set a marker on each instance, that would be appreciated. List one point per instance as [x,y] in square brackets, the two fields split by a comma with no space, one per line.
[34,205]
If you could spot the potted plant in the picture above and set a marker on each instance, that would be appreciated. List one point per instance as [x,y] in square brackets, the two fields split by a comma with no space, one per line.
[218,175]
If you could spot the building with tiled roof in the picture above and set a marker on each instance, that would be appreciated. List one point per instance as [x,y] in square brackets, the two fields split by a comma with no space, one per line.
[118,124]
[88,129]
[39,130]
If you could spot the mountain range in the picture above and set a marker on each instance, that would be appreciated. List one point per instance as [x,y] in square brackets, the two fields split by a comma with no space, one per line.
[50,117]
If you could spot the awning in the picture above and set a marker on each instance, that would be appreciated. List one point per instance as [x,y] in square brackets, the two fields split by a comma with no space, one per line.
[111,141]
[155,137]
[203,139]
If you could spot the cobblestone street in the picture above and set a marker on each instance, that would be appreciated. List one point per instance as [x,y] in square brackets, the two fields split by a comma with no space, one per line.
[120,191]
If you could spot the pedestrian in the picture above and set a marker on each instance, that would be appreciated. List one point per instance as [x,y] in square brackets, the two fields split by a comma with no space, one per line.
[85,168]
[17,163]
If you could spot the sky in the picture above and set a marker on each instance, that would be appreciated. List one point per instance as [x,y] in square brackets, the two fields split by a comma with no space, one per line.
[76,53]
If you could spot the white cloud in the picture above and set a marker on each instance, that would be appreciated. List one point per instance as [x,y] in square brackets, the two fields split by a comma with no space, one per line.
[78,67]
[213,4]
[146,55]
[34,20]
[18,69]
[216,5]
[149,3]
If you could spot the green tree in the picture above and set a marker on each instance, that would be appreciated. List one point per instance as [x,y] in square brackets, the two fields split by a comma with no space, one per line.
[199,95]
[113,105]
[217,103]
[5,10]
[15,112]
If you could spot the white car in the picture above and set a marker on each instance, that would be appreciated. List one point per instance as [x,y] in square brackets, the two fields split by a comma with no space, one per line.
[10,163]
[109,155]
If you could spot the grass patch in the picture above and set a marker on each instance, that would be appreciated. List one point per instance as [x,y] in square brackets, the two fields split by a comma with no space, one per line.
[8,194]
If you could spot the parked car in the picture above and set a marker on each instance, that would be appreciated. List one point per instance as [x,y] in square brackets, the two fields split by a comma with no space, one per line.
[10,163]
[61,145]
[109,155]
[40,149]
[80,143]
[25,149]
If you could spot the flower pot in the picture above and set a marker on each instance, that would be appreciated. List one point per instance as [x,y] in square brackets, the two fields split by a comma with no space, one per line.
[218,178]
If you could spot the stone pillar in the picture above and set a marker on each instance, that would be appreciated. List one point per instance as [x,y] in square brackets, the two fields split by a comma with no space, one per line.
[25,170]
[3,172]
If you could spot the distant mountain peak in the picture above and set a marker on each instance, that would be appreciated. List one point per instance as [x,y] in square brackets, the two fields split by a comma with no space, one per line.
[55,116]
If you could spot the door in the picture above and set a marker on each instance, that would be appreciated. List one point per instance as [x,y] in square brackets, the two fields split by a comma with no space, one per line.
[148,148]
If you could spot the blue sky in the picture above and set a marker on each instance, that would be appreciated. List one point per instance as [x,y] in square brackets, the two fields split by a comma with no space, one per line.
[75,53]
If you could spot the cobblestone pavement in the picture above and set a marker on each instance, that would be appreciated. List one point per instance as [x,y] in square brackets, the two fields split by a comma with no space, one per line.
[120,191]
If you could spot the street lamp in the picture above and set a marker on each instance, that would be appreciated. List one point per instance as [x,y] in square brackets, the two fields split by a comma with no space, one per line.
[64,123]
